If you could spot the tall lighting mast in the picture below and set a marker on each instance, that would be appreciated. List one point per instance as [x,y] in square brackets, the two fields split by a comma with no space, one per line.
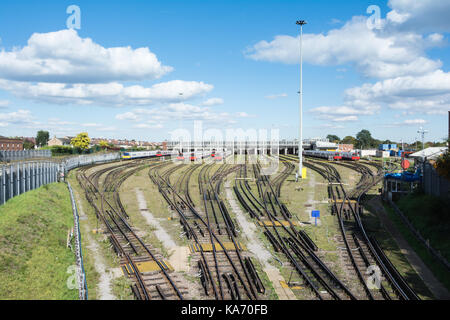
[300,142]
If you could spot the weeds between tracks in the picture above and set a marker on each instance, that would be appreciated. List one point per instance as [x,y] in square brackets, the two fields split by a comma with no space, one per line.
[126,243]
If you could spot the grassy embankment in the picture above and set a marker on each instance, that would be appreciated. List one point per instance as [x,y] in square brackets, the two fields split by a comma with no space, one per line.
[33,253]
[429,215]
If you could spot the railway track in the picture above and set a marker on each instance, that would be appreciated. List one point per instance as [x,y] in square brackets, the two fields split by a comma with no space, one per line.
[274,219]
[152,277]
[362,251]
[225,270]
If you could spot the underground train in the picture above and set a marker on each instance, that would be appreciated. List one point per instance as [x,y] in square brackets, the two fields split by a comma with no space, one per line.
[144,154]
[192,156]
[331,155]
[350,156]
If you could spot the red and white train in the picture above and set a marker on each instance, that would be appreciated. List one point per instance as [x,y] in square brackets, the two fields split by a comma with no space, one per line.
[331,155]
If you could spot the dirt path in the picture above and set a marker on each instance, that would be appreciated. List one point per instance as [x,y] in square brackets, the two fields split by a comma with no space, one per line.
[435,286]
[178,255]
[104,285]
[311,195]
[255,246]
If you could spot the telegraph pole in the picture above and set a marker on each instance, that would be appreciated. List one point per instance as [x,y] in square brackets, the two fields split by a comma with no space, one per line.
[300,142]
[422,132]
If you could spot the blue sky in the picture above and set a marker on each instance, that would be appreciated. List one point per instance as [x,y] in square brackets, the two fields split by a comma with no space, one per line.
[235,63]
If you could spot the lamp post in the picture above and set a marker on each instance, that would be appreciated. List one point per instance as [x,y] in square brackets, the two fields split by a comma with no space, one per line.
[300,142]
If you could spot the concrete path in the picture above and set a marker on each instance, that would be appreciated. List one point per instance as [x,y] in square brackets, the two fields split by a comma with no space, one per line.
[160,233]
[433,284]
[178,255]
[104,291]
[254,245]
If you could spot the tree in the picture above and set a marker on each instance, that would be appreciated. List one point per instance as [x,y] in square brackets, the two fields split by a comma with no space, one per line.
[365,139]
[81,141]
[443,165]
[349,140]
[103,144]
[42,138]
[28,144]
[333,138]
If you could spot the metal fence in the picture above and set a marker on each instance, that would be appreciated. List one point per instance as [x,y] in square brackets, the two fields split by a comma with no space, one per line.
[84,160]
[24,155]
[81,274]
[435,184]
[21,177]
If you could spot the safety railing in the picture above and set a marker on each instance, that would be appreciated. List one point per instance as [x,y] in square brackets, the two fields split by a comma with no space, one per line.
[20,177]
[81,274]
[18,155]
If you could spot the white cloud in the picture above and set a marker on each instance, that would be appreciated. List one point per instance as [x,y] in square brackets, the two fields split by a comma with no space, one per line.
[64,57]
[4,103]
[243,115]
[406,79]
[406,123]
[148,126]
[126,116]
[345,119]
[423,15]
[174,112]
[113,94]
[373,52]
[414,121]
[346,110]
[20,116]
[331,126]
[275,96]
[429,94]
[212,102]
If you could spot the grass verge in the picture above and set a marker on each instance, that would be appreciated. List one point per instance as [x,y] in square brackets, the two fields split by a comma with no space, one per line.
[439,271]
[33,253]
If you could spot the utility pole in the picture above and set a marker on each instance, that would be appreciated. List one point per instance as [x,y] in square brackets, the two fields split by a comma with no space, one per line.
[300,142]
[422,132]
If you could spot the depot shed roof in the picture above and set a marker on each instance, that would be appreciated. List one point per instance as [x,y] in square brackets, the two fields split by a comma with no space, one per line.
[429,153]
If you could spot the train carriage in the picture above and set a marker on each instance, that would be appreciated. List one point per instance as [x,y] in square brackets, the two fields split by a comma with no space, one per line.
[331,155]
